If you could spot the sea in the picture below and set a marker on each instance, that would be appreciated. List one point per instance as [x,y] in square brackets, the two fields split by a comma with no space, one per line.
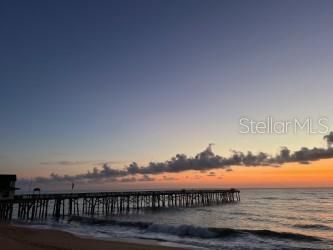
[263,219]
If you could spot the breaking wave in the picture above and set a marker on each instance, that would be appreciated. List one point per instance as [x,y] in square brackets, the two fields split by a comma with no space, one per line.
[313,226]
[195,231]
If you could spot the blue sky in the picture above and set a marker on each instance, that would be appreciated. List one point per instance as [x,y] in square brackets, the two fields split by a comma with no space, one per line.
[144,80]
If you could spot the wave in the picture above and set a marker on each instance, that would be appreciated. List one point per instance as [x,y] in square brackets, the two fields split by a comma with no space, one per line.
[271,198]
[313,226]
[282,199]
[196,231]
[283,235]
[240,213]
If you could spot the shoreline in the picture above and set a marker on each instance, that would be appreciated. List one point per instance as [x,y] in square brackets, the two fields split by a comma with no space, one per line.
[13,237]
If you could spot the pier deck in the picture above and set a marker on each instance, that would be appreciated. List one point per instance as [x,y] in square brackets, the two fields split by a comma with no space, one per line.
[40,206]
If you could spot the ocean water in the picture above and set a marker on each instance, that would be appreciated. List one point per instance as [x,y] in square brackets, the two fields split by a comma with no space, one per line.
[264,219]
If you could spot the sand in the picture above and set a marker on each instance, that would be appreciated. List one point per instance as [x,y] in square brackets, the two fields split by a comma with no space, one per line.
[17,238]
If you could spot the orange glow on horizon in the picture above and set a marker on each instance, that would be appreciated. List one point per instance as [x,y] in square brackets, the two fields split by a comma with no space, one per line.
[315,174]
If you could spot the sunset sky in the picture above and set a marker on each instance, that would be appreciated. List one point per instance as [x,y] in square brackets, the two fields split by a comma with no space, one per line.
[87,83]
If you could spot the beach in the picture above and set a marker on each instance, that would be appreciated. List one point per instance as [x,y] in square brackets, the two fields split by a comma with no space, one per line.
[17,238]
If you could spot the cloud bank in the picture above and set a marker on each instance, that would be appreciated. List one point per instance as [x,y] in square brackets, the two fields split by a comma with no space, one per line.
[203,161]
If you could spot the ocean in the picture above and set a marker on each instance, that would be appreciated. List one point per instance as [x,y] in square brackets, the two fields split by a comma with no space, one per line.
[263,219]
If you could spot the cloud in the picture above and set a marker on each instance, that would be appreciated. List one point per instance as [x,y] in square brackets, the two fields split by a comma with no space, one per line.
[135,179]
[303,156]
[146,178]
[203,162]
[211,174]
[168,178]
[106,172]
[329,139]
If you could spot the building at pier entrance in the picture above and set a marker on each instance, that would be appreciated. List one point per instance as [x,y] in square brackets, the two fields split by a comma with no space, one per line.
[7,186]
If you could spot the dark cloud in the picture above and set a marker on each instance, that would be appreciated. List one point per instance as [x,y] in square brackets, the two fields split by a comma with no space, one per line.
[329,139]
[168,178]
[207,160]
[203,162]
[303,156]
[211,174]
[135,179]
[146,178]
[128,179]
[106,172]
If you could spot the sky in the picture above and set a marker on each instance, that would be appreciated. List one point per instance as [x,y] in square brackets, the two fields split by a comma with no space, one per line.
[85,83]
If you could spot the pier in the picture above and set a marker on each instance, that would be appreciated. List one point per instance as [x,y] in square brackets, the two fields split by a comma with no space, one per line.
[40,206]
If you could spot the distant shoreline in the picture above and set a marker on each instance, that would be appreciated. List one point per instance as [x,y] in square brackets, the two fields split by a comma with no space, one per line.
[14,237]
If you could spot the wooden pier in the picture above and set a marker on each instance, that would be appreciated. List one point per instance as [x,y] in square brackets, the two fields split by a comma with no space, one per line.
[40,206]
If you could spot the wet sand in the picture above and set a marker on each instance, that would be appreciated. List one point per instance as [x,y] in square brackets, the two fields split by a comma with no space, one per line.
[21,238]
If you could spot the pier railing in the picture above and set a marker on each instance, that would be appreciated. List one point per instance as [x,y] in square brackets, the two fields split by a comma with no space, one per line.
[40,206]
